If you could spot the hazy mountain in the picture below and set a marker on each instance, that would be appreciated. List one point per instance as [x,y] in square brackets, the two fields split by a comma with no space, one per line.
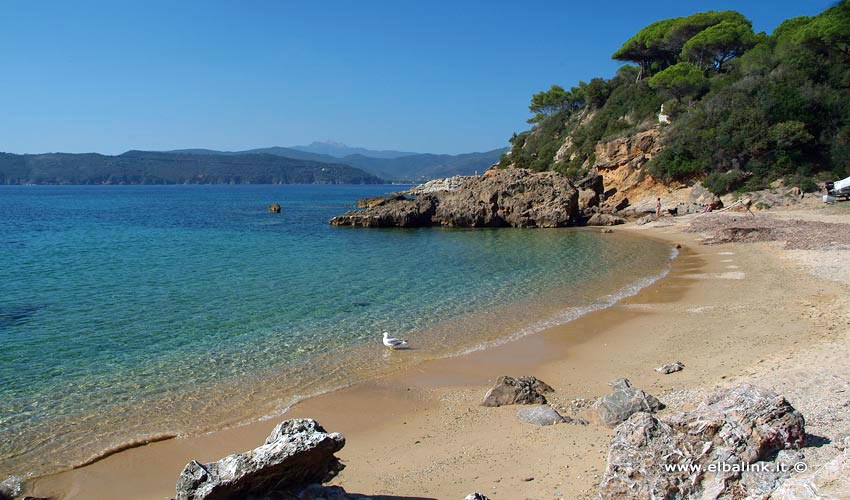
[276,150]
[412,167]
[425,166]
[340,150]
[148,167]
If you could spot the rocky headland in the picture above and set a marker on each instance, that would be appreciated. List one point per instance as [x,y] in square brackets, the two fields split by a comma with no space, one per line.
[616,189]
[500,198]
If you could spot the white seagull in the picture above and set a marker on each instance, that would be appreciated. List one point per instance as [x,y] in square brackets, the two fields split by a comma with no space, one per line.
[393,343]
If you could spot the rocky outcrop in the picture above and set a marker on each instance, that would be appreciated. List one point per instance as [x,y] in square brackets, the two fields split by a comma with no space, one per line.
[297,453]
[621,404]
[397,211]
[701,454]
[502,198]
[517,391]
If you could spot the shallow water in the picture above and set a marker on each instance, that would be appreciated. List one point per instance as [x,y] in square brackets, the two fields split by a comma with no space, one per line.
[141,310]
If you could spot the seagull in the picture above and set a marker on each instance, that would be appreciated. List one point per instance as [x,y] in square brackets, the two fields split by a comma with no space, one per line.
[391,342]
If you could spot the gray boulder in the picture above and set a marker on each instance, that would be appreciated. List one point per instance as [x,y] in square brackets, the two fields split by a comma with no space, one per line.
[701,454]
[671,368]
[521,391]
[298,452]
[621,404]
[540,415]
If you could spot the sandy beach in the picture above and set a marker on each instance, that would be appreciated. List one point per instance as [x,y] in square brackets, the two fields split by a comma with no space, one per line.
[730,312]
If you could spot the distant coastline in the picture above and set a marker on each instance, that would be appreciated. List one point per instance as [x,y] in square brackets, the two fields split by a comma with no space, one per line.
[273,165]
[146,167]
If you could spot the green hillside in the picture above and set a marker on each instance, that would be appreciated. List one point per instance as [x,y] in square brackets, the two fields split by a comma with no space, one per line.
[745,108]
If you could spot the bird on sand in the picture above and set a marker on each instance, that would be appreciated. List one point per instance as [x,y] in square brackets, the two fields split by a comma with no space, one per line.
[393,343]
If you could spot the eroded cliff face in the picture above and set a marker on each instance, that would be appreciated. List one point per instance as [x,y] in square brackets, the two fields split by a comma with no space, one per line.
[629,190]
[621,162]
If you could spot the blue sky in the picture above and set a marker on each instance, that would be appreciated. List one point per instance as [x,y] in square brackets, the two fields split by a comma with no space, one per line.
[441,76]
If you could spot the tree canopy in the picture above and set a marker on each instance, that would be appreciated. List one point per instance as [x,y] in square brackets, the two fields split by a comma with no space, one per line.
[553,100]
[717,45]
[660,45]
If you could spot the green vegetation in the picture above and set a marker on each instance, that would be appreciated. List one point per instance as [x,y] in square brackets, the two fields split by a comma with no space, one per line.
[746,108]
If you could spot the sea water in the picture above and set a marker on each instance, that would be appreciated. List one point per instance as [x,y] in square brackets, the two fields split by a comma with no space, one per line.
[133,311]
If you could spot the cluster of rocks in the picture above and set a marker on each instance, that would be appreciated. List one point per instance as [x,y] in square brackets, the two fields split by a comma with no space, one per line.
[738,443]
[527,391]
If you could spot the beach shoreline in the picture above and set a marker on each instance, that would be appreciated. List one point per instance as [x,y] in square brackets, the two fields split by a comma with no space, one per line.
[716,311]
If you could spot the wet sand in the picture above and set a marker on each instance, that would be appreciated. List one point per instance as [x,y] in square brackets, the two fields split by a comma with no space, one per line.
[420,433]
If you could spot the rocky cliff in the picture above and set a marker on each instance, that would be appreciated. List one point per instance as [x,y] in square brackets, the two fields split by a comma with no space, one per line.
[629,190]
[500,198]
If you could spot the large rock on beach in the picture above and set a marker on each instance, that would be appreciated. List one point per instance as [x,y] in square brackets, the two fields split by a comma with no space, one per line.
[503,198]
[297,453]
[605,220]
[669,368]
[702,454]
[540,415]
[517,391]
[621,404]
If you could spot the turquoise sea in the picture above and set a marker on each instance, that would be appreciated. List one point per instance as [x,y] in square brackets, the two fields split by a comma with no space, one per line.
[131,311]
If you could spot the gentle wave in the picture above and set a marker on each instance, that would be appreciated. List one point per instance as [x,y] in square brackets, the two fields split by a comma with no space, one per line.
[575,313]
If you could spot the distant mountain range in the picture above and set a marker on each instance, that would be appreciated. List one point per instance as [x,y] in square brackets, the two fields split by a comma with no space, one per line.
[340,150]
[146,167]
[275,165]
[388,165]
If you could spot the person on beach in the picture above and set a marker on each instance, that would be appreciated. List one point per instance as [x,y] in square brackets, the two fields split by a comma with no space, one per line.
[658,207]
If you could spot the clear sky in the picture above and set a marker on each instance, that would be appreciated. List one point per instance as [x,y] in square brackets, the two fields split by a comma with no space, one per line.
[428,76]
